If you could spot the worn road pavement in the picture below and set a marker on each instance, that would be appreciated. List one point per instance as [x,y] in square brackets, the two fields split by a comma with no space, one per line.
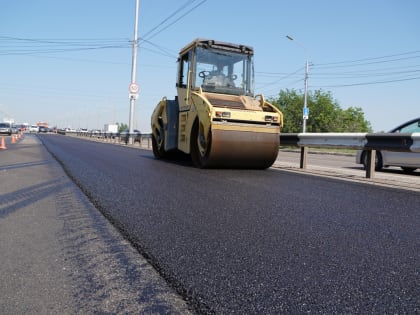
[58,254]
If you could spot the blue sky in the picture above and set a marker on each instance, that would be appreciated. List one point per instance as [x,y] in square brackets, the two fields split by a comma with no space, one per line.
[69,62]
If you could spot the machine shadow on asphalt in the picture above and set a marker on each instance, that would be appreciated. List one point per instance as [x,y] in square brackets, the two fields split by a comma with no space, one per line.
[399,172]
[177,158]
[390,170]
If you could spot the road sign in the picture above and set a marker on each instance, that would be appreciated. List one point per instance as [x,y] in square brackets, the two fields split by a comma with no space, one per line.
[133,88]
[305,113]
[133,96]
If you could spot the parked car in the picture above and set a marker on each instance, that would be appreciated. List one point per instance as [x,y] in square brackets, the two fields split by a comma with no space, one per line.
[124,136]
[408,161]
[6,128]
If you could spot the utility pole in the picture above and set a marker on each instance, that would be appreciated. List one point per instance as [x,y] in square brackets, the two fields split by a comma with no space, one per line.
[134,88]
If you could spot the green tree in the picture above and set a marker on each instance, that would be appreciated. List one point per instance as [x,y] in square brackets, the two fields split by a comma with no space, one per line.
[122,127]
[325,113]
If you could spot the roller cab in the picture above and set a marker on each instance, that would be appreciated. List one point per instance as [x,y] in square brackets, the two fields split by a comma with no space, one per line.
[216,118]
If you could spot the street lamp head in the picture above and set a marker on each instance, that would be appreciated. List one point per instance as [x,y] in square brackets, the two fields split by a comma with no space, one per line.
[289,37]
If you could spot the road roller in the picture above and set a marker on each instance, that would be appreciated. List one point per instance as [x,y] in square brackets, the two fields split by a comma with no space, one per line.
[216,118]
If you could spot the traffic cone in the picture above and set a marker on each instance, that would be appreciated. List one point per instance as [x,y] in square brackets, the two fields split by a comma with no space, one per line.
[3,144]
[13,139]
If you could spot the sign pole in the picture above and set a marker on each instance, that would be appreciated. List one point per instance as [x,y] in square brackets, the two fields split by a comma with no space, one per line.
[133,85]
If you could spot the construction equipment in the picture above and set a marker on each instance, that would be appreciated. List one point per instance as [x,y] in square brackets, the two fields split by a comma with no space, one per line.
[216,118]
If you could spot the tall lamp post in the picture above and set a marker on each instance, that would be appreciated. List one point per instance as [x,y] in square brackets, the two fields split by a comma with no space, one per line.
[133,88]
[305,101]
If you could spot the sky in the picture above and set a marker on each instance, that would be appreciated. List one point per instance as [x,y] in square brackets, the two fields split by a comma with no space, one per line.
[69,63]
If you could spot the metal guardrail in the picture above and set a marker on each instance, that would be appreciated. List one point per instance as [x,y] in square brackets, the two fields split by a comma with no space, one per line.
[110,137]
[399,142]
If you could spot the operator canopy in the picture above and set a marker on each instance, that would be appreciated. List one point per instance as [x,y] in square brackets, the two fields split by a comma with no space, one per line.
[219,67]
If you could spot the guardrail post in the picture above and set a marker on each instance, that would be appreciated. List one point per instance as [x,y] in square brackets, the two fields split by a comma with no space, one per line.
[303,157]
[370,167]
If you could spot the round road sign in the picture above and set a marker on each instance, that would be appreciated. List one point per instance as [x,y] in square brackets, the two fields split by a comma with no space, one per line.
[133,88]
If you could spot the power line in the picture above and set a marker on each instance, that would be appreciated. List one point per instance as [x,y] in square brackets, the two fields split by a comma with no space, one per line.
[367,83]
[32,46]
[155,30]
[361,74]
[365,63]
[37,46]
[161,50]
[282,78]
[61,41]
[350,62]
[167,18]
[362,70]
[150,33]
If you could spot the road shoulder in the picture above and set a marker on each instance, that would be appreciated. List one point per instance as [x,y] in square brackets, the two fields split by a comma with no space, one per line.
[59,254]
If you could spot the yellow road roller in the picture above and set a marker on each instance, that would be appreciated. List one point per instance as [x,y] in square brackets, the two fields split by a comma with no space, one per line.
[216,118]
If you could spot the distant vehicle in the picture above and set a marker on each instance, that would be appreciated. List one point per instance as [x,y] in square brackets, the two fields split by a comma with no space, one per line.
[15,129]
[124,135]
[43,129]
[408,161]
[95,133]
[33,128]
[5,128]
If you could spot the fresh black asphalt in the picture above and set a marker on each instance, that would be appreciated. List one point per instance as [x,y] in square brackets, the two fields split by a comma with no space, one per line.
[256,242]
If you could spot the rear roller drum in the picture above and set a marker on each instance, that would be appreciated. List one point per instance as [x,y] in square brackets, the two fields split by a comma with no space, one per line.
[158,144]
[200,148]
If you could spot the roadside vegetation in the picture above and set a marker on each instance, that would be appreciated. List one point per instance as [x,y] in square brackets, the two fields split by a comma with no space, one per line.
[122,127]
[325,113]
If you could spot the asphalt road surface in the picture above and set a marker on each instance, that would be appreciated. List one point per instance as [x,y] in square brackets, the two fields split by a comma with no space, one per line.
[256,242]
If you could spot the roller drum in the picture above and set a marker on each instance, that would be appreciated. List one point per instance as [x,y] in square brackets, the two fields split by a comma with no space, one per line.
[242,149]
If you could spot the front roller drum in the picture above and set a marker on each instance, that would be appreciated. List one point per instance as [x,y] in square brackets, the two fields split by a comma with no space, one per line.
[235,149]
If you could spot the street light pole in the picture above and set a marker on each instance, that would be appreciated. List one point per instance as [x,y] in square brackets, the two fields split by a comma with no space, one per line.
[133,89]
[305,99]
